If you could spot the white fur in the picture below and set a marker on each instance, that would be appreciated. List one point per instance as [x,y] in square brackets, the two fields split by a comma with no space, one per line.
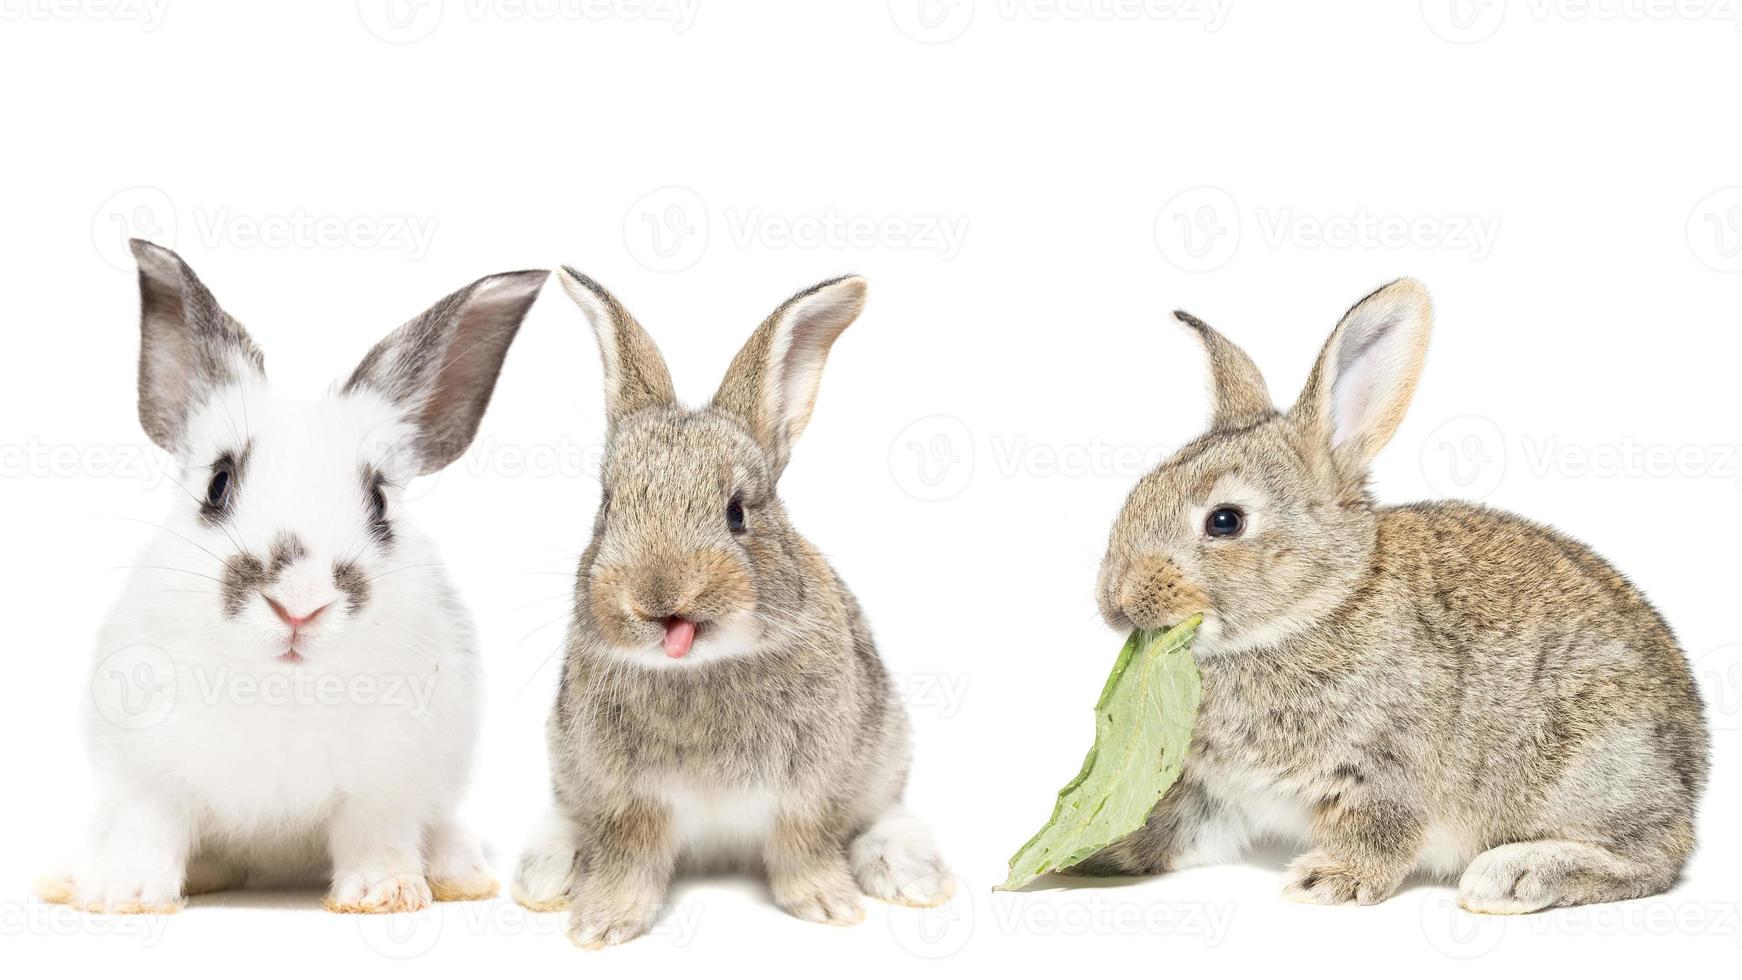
[718,825]
[546,872]
[734,636]
[354,757]
[898,861]
[1375,357]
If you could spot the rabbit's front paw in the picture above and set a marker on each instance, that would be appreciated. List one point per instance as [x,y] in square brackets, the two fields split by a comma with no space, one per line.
[897,861]
[457,869]
[359,892]
[1317,879]
[595,923]
[827,897]
[122,892]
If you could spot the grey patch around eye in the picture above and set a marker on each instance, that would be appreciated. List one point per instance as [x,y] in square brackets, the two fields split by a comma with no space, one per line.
[350,580]
[375,484]
[244,575]
[236,464]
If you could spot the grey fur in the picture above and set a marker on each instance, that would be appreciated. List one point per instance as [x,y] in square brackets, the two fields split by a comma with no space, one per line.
[1434,684]
[188,345]
[808,714]
[443,364]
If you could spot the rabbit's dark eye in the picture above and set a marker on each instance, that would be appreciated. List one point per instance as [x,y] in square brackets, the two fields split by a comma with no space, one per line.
[221,487]
[1225,522]
[375,494]
[735,516]
[218,491]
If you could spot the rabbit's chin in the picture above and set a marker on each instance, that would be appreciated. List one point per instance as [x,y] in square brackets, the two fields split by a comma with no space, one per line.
[1218,639]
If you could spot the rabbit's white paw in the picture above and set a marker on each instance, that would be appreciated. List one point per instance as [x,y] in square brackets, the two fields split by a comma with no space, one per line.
[121,891]
[897,861]
[456,867]
[546,871]
[1514,879]
[361,892]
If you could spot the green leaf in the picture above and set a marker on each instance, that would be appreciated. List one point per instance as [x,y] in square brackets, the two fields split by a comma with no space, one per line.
[1143,725]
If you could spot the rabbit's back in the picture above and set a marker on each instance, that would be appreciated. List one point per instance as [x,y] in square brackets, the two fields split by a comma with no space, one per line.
[1490,676]
[1546,654]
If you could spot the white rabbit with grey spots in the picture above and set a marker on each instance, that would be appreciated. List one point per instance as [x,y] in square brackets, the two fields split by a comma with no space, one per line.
[288,689]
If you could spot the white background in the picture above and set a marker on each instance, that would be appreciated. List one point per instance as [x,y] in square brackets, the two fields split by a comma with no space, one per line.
[1030,187]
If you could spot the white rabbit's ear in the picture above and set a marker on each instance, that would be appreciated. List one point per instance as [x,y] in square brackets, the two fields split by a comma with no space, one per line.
[636,377]
[1365,376]
[188,346]
[772,383]
[1237,389]
[442,366]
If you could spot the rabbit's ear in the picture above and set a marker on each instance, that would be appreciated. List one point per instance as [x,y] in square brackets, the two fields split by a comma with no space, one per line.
[1365,376]
[772,383]
[441,367]
[1237,389]
[636,377]
[188,345]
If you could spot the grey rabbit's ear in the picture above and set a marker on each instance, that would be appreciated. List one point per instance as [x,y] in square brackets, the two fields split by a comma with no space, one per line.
[188,346]
[442,366]
[1237,389]
[1361,386]
[636,377]
[772,383]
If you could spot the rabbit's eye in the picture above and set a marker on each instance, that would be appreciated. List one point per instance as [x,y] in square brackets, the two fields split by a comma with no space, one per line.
[218,491]
[735,516]
[375,492]
[1225,522]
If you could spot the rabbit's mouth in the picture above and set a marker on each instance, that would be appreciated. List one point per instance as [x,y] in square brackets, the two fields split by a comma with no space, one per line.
[291,657]
[680,636]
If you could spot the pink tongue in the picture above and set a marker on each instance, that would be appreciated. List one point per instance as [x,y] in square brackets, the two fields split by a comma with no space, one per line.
[679,634]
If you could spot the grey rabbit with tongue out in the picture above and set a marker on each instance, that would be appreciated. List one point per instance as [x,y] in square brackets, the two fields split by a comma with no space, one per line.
[721,701]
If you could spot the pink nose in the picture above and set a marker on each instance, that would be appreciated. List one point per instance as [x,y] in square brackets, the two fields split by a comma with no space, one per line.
[291,619]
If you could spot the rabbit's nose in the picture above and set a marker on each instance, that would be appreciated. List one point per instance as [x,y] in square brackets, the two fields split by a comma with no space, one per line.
[294,620]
